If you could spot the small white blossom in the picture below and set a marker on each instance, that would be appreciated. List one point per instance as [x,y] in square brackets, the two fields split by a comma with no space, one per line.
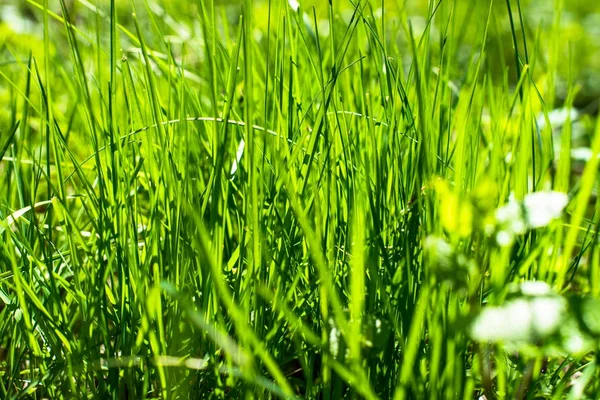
[546,313]
[543,207]
[504,238]
[535,211]
[558,117]
[510,216]
[520,320]
[509,219]
[576,344]
[581,154]
[535,288]
[334,344]
[440,250]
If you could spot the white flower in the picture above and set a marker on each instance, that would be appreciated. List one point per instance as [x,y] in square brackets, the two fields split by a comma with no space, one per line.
[294,4]
[535,288]
[546,314]
[439,250]
[505,238]
[543,207]
[535,211]
[510,216]
[581,154]
[510,322]
[509,219]
[576,344]
[558,117]
[334,344]
[520,320]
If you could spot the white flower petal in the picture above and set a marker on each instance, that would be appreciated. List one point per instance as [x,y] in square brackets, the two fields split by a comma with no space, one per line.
[542,207]
[505,238]
[508,323]
[509,213]
[334,344]
[558,117]
[547,314]
[535,288]
[582,154]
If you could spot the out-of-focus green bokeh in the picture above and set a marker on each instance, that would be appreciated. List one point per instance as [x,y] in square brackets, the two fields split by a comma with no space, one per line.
[578,43]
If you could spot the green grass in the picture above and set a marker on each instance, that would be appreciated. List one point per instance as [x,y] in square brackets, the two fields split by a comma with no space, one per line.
[211,200]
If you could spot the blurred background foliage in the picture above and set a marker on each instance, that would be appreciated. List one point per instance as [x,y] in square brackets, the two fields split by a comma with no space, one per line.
[577,39]
[566,46]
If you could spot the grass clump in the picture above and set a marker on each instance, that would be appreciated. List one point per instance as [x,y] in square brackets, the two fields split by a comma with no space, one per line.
[275,199]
